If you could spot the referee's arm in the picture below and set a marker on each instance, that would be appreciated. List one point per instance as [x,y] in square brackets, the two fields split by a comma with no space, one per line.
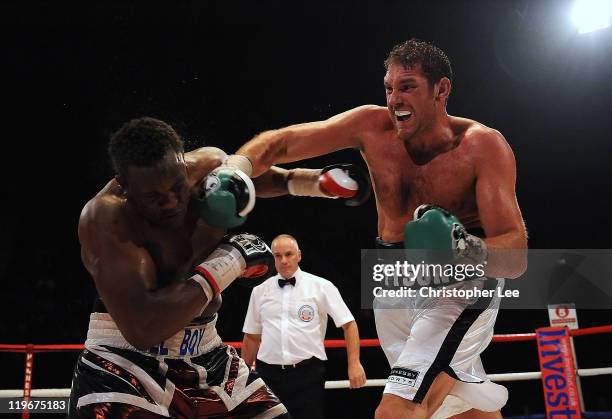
[356,373]
[250,347]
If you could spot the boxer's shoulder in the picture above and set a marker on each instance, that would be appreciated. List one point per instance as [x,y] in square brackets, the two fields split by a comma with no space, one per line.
[371,110]
[362,118]
[480,141]
[475,134]
[369,123]
[374,117]
[104,213]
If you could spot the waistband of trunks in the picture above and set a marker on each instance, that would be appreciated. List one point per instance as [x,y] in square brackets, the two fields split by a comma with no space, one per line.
[381,244]
[191,341]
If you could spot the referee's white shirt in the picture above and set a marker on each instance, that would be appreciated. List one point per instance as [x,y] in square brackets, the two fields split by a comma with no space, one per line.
[292,320]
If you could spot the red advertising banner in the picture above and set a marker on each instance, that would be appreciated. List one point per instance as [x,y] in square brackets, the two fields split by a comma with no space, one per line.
[558,373]
[27,382]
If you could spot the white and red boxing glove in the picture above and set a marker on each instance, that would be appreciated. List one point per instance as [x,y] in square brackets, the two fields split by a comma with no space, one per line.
[346,181]
[244,256]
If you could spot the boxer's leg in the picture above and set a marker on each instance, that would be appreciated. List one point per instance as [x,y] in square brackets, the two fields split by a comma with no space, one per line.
[396,407]
[111,382]
[231,389]
[446,338]
[477,414]
[393,328]
[115,410]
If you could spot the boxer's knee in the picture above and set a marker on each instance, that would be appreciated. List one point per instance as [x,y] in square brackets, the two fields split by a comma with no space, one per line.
[478,414]
[395,407]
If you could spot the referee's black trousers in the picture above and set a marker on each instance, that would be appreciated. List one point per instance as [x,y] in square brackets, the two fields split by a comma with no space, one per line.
[301,389]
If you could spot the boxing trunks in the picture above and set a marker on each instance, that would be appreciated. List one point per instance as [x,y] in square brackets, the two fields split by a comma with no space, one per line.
[190,375]
[427,336]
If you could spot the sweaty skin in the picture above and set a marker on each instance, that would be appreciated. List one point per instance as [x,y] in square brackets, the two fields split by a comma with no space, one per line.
[418,154]
[432,157]
[140,238]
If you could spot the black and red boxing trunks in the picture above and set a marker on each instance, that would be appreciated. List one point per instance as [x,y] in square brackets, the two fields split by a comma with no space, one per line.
[199,378]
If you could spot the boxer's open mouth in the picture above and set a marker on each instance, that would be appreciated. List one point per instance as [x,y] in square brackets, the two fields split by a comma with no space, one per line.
[403,115]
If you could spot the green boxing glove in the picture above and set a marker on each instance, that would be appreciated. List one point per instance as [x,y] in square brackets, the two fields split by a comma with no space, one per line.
[225,197]
[442,236]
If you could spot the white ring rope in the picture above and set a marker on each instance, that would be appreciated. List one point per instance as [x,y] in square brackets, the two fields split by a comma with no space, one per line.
[330,385]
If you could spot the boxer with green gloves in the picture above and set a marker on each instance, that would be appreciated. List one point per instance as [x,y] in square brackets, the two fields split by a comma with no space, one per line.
[416,152]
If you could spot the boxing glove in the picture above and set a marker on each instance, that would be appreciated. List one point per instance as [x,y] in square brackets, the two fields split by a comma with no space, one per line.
[243,257]
[227,194]
[346,181]
[435,229]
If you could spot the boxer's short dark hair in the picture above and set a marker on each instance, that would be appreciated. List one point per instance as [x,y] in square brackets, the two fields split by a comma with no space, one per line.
[433,61]
[142,142]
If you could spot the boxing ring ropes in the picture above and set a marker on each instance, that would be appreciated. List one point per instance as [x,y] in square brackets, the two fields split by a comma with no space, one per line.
[27,392]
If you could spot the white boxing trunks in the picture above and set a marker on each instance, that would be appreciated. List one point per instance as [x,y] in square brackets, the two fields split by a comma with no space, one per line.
[427,336]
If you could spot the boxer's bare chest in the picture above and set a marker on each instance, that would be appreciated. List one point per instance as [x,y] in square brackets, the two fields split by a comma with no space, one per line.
[401,185]
[176,251]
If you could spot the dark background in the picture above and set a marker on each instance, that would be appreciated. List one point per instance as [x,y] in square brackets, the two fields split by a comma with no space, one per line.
[221,74]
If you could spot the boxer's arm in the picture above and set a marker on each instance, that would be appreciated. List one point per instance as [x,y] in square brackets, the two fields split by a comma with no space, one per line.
[302,141]
[125,277]
[346,181]
[498,208]
[273,182]
[250,347]
[270,184]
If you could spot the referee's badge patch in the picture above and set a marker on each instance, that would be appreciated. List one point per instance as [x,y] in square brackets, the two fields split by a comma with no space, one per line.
[306,313]
[403,376]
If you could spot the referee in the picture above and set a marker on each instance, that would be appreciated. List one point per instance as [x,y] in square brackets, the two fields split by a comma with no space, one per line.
[285,327]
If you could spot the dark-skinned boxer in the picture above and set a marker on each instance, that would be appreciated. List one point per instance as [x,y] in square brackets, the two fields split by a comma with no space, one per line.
[154,241]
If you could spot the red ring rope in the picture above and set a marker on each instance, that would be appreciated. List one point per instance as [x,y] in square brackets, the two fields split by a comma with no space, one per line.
[329,343]
[31,349]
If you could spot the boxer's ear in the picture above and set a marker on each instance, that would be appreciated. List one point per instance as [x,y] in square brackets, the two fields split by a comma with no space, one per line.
[443,89]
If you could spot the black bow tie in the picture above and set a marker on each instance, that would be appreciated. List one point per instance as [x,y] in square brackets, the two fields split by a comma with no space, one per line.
[282,282]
